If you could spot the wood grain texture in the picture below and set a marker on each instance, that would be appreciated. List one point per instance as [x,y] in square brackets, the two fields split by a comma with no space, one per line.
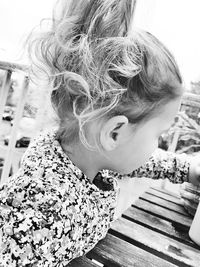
[157,224]
[163,203]
[114,252]
[153,232]
[163,213]
[82,262]
[166,192]
[167,197]
[156,243]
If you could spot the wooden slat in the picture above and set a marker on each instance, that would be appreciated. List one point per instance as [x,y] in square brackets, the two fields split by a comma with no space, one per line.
[114,252]
[17,155]
[82,262]
[4,65]
[163,213]
[192,99]
[174,142]
[166,192]
[4,89]
[12,141]
[165,247]
[158,225]
[163,203]
[167,197]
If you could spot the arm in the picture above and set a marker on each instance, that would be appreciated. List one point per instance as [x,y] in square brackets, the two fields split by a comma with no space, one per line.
[163,165]
[44,225]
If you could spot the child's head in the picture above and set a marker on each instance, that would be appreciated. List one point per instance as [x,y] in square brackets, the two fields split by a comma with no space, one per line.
[107,78]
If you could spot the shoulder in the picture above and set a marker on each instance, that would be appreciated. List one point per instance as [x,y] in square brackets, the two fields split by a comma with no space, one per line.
[41,153]
[41,143]
[40,168]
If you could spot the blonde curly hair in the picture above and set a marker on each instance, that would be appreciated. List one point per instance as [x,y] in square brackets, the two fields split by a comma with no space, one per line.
[99,67]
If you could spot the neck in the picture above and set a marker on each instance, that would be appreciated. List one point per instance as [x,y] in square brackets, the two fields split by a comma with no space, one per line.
[87,161]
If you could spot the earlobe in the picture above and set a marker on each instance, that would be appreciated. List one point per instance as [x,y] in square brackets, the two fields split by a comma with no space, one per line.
[111,131]
[106,141]
[109,145]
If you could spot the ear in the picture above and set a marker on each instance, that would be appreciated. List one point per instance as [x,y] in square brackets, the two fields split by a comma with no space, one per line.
[112,132]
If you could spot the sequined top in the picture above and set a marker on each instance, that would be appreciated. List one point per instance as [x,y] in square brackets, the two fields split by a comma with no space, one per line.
[50,212]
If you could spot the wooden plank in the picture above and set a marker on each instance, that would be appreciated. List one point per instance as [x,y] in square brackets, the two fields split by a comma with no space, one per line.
[167,197]
[174,142]
[157,224]
[17,155]
[12,140]
[156,243]
[82,262]
[114,252]
[4,90]
[166,192]
[4,65]
[163,213]
[191,97]
[163,203]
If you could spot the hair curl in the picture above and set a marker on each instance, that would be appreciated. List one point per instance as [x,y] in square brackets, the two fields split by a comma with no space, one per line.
[98,67]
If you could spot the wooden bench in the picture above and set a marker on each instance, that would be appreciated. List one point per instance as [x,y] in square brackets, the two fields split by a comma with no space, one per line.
[153,232]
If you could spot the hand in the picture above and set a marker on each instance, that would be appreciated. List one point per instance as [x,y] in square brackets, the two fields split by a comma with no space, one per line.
[190,195]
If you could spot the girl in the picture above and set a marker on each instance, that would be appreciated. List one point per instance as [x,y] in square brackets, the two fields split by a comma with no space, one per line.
[114,90]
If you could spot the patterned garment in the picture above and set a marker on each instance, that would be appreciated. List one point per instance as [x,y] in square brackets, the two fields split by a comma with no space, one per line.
[174,167]
[162,165]
[50,212]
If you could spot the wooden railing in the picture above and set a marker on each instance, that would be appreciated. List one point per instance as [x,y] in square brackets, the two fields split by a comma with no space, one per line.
[9,153]
[190,100]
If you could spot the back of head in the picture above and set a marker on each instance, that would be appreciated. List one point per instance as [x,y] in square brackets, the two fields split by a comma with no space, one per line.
[99,67]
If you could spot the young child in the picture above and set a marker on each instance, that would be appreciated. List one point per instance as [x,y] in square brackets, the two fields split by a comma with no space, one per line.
[114,90]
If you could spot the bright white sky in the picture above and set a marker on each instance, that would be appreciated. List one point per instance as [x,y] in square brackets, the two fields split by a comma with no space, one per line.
[17,19]
[175,22]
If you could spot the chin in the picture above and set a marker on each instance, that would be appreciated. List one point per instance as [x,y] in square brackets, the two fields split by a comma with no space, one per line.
[133,168]
[126,172]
